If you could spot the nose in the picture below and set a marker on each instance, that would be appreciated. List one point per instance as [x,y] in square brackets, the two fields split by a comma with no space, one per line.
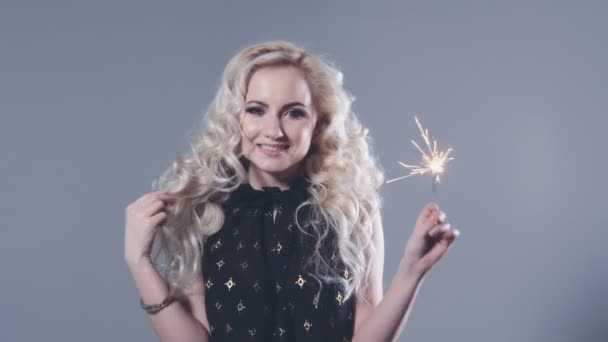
[272,127]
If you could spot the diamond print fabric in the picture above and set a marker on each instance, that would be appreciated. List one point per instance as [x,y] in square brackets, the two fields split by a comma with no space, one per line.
[256,283]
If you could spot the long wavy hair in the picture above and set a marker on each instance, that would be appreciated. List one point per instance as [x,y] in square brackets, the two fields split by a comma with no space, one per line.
[343,174]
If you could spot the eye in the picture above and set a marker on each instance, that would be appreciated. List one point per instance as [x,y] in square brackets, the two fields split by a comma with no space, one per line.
[255,110]
[295,113]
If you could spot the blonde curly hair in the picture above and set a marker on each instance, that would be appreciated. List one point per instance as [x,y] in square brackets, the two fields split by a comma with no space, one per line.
[343,175]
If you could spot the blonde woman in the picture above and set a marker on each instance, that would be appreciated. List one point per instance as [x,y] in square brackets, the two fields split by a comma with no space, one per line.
[271,225]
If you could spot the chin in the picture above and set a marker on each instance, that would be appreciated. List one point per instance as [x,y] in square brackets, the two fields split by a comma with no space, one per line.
[272,168]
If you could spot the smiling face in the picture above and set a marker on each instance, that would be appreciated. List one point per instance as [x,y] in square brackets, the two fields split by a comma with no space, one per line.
[278,123]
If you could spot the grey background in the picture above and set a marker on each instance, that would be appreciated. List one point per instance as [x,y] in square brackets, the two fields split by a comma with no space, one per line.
[96,99]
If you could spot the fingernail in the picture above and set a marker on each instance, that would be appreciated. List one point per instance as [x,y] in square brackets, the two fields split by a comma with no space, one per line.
[442,216]
[445,227]
[456,232]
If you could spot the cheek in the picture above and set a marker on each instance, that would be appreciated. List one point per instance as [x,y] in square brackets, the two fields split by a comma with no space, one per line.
[249,129]
[304,136]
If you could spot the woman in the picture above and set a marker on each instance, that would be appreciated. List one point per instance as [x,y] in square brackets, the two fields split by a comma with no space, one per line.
[271,225]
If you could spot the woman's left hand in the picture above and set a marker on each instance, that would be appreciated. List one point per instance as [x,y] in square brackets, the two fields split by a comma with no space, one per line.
[430,240]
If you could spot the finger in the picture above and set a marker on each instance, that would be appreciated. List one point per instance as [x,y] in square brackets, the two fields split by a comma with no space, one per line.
[441,247]
[167,197]
[162,195]
[426,212]
[423,227]
[448,235]
[430,209]
[439,230]
[145,198]
[158,219]
[438,217]
[442,217]
[433,220]
[153,208]
[452,237]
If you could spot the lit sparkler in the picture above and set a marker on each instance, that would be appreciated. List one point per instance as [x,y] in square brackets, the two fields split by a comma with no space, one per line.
[434,161]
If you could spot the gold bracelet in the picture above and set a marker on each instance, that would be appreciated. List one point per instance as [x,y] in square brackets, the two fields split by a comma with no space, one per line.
[154,308]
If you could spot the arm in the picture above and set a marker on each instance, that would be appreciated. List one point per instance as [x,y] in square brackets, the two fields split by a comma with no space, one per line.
[383,319]
[388,318]
[179,321]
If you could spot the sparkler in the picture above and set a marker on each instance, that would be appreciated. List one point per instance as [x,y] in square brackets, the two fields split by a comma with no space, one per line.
[434,161]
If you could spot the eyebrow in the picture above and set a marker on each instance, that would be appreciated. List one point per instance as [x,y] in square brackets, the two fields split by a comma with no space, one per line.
[289,105]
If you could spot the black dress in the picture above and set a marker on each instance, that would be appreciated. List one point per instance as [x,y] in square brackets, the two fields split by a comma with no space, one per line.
[256,282]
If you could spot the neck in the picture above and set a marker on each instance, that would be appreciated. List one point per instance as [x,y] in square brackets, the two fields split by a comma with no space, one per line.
[282,180]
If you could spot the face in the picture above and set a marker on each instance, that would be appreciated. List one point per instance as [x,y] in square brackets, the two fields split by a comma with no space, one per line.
[278,122]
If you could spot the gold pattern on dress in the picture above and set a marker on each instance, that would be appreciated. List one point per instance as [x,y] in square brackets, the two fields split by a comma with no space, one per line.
[334,258]
[220,264]
[208,284]
[346,274]
[228,328]
[239,246]
[256,287]
[230,284]
[350,316]
[218,305]
[236,232]
[300,281]
[315,301]
[278,287]
[339,298]
[256,245]
[252,332]
[307,325]
[281,331]
[240,306]
[244,265]
[235,210]
[277,248]
[216,245]
[211,327]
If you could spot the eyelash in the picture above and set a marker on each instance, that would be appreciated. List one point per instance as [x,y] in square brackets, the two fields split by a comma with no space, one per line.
[296,113]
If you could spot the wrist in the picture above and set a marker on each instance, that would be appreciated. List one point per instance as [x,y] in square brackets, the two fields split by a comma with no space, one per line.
[409,270]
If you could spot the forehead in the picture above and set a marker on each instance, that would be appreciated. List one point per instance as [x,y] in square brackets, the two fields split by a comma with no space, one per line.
[278,85]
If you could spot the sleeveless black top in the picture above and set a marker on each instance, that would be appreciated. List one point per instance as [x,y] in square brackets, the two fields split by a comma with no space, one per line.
[255,274]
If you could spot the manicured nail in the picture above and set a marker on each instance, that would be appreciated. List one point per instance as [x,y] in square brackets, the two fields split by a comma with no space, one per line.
[442,216]
[445,227]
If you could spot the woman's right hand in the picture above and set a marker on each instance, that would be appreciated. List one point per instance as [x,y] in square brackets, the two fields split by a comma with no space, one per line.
[143,216]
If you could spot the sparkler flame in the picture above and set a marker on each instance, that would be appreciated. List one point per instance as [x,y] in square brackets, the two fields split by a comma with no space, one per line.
[434,161]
